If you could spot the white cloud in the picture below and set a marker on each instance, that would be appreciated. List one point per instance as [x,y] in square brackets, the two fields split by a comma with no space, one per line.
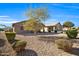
[8,22]
[3,16]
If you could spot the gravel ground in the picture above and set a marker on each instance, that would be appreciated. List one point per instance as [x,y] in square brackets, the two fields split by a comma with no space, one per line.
[38,47]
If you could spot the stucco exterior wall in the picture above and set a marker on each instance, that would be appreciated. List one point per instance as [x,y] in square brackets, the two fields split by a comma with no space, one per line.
[17,28]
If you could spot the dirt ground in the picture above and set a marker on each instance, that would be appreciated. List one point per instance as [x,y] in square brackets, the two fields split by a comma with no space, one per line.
[38,47]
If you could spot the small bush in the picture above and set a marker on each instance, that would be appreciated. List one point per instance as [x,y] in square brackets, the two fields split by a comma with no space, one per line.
[72,33]
[19,45]
[10,36]
[1,29]
[64,44]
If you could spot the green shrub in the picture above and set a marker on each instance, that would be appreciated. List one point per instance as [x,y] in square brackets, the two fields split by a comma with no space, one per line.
[1,29]
[19,45]
[72,33]
[64,44]
[10,36]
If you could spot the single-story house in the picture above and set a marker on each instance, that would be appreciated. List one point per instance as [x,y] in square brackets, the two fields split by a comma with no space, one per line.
[52,27]
[18,27]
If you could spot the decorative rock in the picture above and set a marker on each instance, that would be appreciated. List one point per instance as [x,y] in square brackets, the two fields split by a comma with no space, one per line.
[5,47]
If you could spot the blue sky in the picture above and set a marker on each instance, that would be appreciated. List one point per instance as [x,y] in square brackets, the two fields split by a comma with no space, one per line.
[59,12]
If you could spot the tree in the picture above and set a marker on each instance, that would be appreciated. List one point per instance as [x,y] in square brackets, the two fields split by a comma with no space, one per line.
[68,24]
[39,14]
[4,27]
[33,25]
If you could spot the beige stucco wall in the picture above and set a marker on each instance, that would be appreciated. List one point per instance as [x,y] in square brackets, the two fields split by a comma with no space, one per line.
[45,29]
[57,27]
[17,28]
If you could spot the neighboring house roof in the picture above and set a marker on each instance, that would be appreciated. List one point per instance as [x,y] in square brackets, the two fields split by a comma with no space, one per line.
[52,24]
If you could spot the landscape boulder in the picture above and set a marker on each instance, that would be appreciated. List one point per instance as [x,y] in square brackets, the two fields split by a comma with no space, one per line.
[5,47]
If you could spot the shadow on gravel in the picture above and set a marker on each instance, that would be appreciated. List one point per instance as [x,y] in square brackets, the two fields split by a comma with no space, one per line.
[27,52]
[32,34]
[2,42]
[75,51]
[50,38]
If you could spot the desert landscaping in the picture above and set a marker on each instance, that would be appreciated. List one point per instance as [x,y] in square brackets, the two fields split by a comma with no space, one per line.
[40,45]
[46,46]
[39,30]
